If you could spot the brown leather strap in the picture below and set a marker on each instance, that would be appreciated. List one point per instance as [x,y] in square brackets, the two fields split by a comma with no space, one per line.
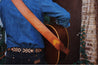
[23,9]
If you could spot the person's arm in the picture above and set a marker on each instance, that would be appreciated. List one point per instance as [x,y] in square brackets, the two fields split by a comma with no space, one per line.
[0,9]
[52,9]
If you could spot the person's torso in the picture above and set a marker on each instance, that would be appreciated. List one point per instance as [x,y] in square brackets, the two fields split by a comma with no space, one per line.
[20,33]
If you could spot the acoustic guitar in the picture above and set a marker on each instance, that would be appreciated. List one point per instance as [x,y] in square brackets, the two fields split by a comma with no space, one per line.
[52,55]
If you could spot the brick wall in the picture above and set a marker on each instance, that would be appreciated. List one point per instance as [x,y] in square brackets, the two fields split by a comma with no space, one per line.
[96,6]
[89,21]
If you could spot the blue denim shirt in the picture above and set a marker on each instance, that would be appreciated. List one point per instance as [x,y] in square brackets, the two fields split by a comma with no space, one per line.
[20,33]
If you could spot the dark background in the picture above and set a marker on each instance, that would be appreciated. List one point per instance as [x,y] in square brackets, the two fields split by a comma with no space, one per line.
[74,8]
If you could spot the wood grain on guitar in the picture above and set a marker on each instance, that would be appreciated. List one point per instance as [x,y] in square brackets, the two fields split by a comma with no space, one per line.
[53,56]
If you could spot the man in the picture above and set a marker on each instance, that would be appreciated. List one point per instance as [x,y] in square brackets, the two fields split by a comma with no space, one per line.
[25,44]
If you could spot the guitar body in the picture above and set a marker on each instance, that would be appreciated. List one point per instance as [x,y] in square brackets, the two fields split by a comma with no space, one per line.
[52,55]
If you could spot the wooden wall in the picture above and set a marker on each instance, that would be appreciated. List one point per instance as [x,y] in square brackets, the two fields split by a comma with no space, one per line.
[74,7]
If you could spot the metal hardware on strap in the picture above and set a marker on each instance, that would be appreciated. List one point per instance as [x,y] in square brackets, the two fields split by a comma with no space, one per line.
[24,50]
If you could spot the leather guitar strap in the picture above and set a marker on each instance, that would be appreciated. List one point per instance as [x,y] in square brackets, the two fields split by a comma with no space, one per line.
[38,25]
